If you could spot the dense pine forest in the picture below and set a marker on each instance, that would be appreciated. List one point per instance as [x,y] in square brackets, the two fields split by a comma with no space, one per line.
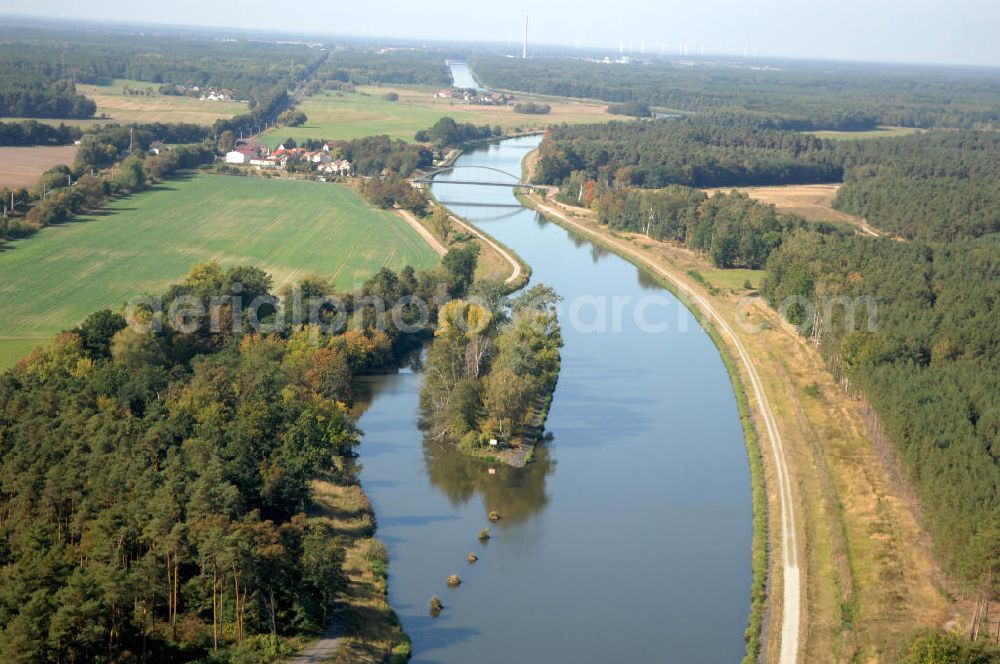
[250,68]
[940,185]
[358,65]
[784,95]
[154,486]
[930,369]
[692,152]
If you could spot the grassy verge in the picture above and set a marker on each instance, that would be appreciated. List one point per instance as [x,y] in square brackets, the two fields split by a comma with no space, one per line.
[372,633]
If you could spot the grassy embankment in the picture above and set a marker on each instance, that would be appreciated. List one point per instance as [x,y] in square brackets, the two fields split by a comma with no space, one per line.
[144,242]
[370,629]
[868,574]
[334,115]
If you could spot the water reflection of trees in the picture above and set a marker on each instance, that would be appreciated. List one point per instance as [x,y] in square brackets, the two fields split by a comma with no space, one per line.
[597,252]
[647,282]
[516,493]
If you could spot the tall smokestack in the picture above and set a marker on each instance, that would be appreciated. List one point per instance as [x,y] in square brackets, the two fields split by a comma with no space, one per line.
[524,54]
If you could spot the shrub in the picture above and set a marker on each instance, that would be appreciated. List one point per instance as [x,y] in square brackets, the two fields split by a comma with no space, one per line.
[531,108]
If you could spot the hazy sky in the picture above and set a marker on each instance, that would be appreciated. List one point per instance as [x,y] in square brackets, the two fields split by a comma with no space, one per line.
[954,31]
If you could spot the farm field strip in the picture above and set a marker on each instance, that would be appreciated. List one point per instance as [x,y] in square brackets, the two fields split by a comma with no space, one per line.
[21,166]
[811,201]
[121,108]
[880,132]
[343,116]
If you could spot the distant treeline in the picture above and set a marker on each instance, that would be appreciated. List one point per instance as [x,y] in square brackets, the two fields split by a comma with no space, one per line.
[248,67]
[448,133]
[262,112]
[637,109]
[794,96]
[31,132]
[684,151]
[942,185]
[361,66]
[21,97]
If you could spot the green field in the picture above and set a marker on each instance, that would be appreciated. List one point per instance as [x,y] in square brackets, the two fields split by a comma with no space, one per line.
[52,280]
[734,278]
[367,113]
[881,132]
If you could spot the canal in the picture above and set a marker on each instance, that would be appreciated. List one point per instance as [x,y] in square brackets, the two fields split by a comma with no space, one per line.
[628,538]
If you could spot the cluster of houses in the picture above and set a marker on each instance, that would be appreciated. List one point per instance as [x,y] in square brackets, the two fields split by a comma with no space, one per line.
[198,92]
[476,97]
[251,153]
[213,94]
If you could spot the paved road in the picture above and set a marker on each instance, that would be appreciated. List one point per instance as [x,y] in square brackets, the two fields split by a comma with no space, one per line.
[791,598]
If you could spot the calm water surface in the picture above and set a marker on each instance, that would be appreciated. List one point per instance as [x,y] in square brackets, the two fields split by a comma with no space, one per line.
[628,538]
[462,76]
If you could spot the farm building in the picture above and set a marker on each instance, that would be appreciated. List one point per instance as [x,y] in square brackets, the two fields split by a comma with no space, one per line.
[238,157]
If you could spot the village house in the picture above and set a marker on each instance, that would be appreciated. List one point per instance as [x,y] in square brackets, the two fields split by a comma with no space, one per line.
[340,167]
[318,157]
[264,162]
